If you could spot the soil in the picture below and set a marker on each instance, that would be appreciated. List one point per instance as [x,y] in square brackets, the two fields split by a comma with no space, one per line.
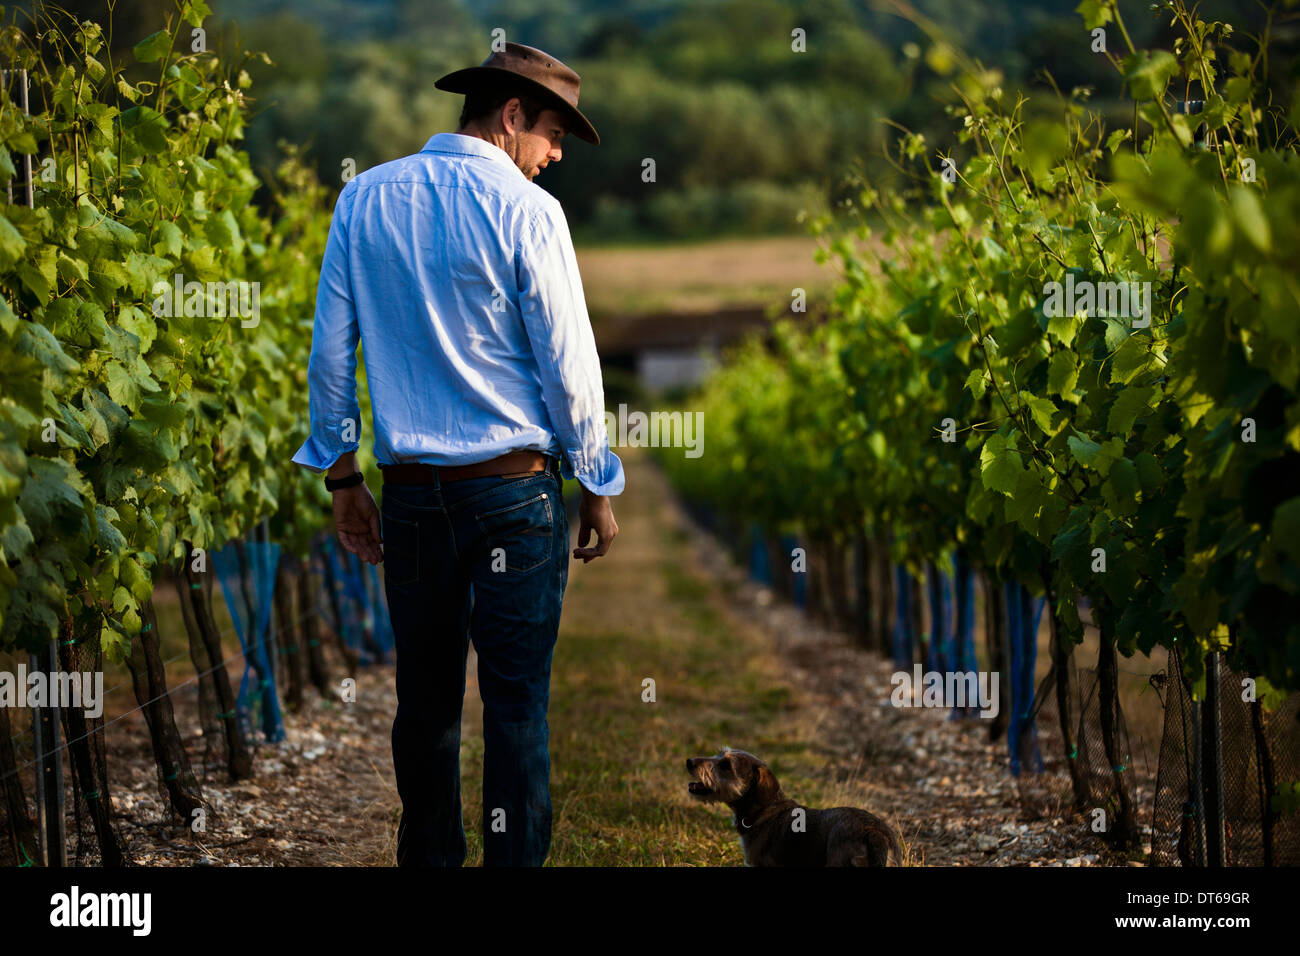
[325,796]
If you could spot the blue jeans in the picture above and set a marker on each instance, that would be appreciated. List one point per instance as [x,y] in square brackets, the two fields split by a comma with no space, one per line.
[487,559]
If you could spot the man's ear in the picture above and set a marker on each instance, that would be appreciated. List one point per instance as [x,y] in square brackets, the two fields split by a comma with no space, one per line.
[512,115]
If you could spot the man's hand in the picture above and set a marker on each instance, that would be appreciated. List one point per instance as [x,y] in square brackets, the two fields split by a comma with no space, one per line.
[356,516]
[594,514]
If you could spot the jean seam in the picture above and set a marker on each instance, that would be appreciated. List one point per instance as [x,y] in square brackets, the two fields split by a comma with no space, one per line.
[460,503]
[413,559]
[516,506]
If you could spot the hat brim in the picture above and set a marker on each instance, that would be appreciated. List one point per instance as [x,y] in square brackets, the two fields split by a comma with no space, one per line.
[474,78]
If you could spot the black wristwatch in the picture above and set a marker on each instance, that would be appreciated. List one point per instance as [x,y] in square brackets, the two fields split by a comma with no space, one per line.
[338,484]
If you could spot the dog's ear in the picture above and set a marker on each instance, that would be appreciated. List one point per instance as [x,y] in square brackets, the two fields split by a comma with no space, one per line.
[764,784]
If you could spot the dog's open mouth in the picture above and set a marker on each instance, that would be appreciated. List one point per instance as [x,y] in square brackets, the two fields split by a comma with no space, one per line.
[697,789]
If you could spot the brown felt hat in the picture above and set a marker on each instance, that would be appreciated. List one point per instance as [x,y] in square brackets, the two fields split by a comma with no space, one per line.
[536,72]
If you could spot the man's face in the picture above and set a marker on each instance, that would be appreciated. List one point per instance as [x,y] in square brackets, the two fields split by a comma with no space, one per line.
[534,149]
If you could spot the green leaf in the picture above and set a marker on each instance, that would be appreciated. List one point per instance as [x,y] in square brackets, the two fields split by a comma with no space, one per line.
[16,539]
[170,241]
[1117,333]
[73,424]
[148,126]
[94,69]
[12,244]
[137,579]
[991,249]
[1132,402]
[115,645]
[1041,410]
[1073,536]
[1249,217]
[52,493]
[109,540]
[1065,327]
[144,270]
[1085,451]
[8,320]
[24,142]
[1149,473]
[152,47]
[123,387]
[1062,374]
[40,344]
[122,599]
[1028,499]
[1131,359]
[1000,466]
[143,326]
[131,622]
[1147,72]
[1045,143]
[101,116]
[194,11]
[1286,528]
[127,90]
[1123,482]
[1095,13]
[71,269]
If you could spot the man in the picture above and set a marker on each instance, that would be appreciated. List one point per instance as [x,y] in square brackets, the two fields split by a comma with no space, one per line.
[458,277]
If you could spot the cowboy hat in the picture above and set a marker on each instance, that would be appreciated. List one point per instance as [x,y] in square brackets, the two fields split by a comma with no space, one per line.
[532,71]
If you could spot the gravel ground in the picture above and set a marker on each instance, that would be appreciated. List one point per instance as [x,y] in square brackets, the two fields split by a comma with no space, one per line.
[942,782]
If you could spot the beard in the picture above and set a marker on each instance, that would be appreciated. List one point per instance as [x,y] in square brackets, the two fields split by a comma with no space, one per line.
[529,169]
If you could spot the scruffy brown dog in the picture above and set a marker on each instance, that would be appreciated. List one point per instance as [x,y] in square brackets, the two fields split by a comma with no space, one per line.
[776,831]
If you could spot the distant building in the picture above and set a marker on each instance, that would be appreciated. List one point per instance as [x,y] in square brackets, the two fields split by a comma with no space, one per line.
[673,349]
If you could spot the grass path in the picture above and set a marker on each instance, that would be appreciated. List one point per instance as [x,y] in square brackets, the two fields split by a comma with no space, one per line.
[645,611]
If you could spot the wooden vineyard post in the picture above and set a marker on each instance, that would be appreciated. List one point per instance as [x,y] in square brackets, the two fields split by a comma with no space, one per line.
[239,761]
[49,769]
[1215,848]
[1123,829]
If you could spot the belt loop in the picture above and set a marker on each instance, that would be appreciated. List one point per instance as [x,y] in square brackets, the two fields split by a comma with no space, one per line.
[437,479]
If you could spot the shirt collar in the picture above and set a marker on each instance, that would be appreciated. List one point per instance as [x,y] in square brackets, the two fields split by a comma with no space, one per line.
[469,146]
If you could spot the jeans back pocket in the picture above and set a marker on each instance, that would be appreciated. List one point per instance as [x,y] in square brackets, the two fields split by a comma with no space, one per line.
[518,537]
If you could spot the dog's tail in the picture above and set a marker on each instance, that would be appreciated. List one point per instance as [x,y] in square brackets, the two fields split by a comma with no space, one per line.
[883,849]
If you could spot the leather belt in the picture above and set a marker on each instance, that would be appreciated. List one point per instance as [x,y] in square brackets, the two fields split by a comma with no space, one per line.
[512,463]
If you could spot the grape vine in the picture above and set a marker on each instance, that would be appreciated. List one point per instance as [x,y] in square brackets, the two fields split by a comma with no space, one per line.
[130,433]
[1146,459]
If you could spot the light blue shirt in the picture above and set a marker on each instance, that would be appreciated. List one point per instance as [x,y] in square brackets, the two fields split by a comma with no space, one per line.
[458,277]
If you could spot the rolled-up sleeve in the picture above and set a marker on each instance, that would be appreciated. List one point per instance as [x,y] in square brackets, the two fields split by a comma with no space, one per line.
[554,313]
[332,369]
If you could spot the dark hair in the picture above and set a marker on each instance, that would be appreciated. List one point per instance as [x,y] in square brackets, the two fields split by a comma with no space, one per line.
[483,103]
